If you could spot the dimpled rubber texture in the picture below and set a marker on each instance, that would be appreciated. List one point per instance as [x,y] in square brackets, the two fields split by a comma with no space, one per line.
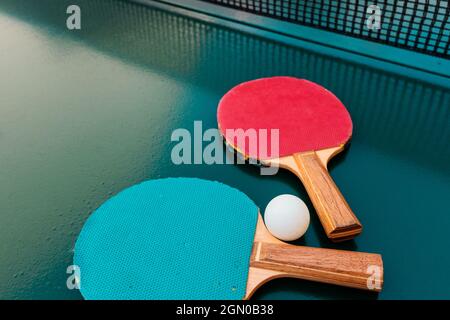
[308,116]
[174,238]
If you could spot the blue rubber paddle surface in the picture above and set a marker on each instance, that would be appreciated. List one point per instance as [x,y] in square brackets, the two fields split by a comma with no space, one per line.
[175,238]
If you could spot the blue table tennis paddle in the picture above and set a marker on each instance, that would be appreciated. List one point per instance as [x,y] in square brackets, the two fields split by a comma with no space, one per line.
[187,238]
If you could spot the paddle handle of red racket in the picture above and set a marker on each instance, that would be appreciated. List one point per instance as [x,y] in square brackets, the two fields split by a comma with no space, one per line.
[338,220]
[344,268]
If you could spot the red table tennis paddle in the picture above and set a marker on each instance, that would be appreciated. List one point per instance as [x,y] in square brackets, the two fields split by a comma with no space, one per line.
[313,127]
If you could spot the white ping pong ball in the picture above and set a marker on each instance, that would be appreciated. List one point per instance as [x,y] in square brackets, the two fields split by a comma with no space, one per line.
[287,217]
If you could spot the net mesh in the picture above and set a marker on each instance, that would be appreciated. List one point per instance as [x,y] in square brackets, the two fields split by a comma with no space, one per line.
[420,25]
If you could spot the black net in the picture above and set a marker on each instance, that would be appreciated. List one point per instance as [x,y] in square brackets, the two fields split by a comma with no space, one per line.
[420,25]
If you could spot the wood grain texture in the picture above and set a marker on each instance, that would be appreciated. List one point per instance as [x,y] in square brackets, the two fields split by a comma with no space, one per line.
[272,258]
[338,220]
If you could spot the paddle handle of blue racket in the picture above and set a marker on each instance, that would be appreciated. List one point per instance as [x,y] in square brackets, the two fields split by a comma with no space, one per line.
[344,268]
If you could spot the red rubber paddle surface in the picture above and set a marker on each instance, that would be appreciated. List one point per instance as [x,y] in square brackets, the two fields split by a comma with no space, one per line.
[308,116]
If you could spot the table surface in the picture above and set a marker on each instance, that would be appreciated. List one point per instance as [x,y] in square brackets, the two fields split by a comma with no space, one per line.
[85,114]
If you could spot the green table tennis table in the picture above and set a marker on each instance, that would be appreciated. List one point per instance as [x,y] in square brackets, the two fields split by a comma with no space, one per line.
[86,113]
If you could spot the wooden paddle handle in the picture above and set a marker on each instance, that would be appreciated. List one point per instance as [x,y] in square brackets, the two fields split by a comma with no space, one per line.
[344,268]
[334,213]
